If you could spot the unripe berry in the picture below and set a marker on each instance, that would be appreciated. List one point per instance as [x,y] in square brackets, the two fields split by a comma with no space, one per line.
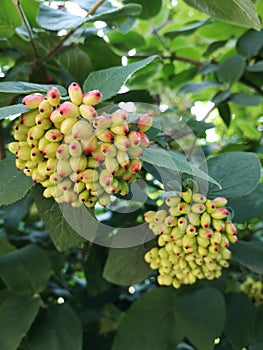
[198,208]
[89,175]
[42,169]
[171,221]
[203,242]
[134,152]
[18,136]
[144,122]
[56,117]
[144,140]
[183,208]
[108,149]
[45,108]
[172,201]
[190,230]
[79,187]
[111,164]
[78,164]
[205,220]
[124,190]
[28,118]
[53,96]
[105,178]
[220,202]
[205,233]
[98,155]
[90,144]
[33,100]
[219,225]
[62,152]
[120,129]
[149,216]
[64,185]
[135,166]
[84,195]
[53,135]
[20,128]
[75,148]
[42,143]
[88,112]
[35,132]
[75,93]
[43,122]
[104,199]
[104,135]
[36,177]
[194,219]
[63,168]
[123,159]
[69,110]
[119,116]
[198,198]
[69,196]
[36,155]
[216,238]
[210,206]
[92,97]
[113,187]
[13,147]
[182,223]
[20,164]
[159,216]
[50,149]
[82,130]
[122,142]
[51,165]
[23,152]
[230,228]
[102,122]
[67,125]
[220,213]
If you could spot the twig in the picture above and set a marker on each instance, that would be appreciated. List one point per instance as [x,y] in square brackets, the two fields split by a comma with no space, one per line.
[250,83]
[172,57]
[28,29]
[56,48]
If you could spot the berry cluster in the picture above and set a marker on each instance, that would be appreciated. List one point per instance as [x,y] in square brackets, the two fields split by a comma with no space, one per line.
[253,289]
[194,236]
[76,154]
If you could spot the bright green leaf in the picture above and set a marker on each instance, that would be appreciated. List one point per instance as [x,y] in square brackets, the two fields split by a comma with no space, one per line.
[237,172]
[110,80]
[126,266]
[14,184]
[248,129]
[26,270]
[249,254]
[239,12]
[231,69]
[200,316]
[169,160]
[17,313]
[150,323]
[9,18]
[61,231]
[194,87]
[250,43]
[240,320]
[56,328]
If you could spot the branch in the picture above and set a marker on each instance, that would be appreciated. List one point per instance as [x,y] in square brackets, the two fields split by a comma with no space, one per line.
[28,29]
[172,57]
[251,84]
[57,47]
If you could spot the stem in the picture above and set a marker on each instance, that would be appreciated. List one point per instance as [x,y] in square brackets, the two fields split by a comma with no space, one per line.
[28,29]
[56,48]
[173,56]
[2,150]
[250,83]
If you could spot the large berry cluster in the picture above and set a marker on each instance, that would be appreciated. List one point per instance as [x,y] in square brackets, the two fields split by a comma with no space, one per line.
[194,236]
[253,289]
[76,154]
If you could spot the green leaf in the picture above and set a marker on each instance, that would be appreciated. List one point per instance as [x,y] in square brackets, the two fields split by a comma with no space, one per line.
[21,87]
[240,320]
[239,12]
[53,19]
[26,270]
[9,18]
[189,28]
[149,8]
[6,247]
[224,112]
[250,43]
[162,158]
[30,8]
[248,129]
[56,328]
[231,69]
[110,80]
[117,12]
[150,323]
[6,112]
[17,313]
[194,87]
[221,96]
[200,316]
[250,255]
[244,99]
[14,184]
[249,206]
[94,266]
[236,179]
[257,67]
[61,231]
[126,266]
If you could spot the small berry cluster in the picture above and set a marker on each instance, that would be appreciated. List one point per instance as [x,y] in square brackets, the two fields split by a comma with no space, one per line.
[253,289]
[76,154]
[194,236]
